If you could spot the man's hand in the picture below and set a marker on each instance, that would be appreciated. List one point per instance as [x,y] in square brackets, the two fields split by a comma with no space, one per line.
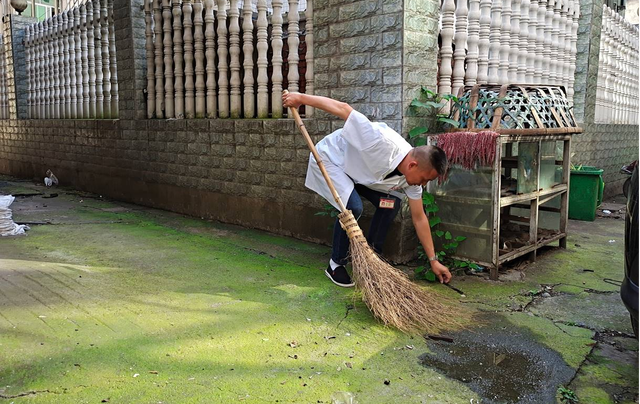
[292,100]
[442,272]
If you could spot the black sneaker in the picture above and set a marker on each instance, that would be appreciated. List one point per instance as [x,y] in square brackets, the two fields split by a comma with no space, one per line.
[339,276]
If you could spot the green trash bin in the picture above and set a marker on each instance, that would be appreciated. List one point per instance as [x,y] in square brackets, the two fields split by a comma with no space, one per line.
[585,193]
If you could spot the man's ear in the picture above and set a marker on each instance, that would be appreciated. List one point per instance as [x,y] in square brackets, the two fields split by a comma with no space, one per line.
[413,164]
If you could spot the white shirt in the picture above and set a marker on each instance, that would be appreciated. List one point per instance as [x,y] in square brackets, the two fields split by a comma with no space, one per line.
[362,152]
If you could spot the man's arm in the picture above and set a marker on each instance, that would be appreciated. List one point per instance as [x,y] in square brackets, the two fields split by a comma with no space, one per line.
[421,223]
[337,108]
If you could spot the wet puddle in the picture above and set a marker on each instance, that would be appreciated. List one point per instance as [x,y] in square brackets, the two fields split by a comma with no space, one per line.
[500,368]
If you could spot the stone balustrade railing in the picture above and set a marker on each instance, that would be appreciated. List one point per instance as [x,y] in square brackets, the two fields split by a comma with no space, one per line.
[617,86]
[4,101]
[508,41]
[71,64]
[209,59]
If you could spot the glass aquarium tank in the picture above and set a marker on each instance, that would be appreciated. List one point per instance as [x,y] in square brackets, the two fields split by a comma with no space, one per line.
[465,206]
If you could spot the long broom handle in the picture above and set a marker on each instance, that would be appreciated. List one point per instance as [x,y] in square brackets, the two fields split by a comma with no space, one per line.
[312,147]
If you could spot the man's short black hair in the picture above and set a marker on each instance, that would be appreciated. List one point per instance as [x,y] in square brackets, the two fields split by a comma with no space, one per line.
[431,157]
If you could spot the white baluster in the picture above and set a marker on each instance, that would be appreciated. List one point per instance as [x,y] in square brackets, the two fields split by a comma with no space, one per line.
[66,64]
[547,52]
[607,73]
[2,83]
[159,57]
[575,15]
[178,59]
[446,49]
[97,34]
[210,54]
[524,42]
[66,17]
[633,74]
[189,73]
[309,55]
[234,53]
[167,41]
[555,62]
[263,78]
[52,66]
[3,80]
[483,42]
[620,64]
[604,66]
[636,62]
[42,68]
[627,72]
[2,75]
[198,38]
[540,42]
[223,83]
[37,59]
[84,50]
[48,67]
[39,52]
[151,81]
[78,57]
[532,44]
[619,41]
[600,80]
[91,59]
[505,37]
[276,45]
[615,51]
[113,62]
[30,77]
[293,43]
[247,49]
[71,35]
[514,41]
[627,78]
[494,41]
[471,75]
[106,71]
[59,71]
[564,40]
[460,41]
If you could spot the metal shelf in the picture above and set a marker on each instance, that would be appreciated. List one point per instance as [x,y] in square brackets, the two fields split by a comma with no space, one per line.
[514,199]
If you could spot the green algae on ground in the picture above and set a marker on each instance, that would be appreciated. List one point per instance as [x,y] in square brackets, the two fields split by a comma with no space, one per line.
[135,305]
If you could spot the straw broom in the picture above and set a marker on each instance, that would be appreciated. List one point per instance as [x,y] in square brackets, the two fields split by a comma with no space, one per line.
[387,292]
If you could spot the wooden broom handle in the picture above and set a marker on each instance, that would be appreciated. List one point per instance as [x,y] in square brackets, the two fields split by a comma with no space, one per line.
[312,147]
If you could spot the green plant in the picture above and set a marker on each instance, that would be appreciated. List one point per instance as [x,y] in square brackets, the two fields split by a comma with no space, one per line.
[567,395]
[449,244]
[328,210]
[430,105]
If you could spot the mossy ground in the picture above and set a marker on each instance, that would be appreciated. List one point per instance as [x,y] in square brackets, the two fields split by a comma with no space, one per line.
[122,303]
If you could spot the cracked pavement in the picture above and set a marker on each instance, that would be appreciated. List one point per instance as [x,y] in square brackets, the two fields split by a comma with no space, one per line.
[103,300]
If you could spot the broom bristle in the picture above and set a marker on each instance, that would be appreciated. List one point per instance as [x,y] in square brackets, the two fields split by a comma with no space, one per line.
[389,293]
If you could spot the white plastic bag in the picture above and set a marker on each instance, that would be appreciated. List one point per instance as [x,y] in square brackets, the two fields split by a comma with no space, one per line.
[50,179]
[7,226]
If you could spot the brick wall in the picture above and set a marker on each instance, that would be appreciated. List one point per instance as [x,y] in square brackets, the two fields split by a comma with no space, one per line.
[247,172]
[608,147]
[358,57]
[601,145]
